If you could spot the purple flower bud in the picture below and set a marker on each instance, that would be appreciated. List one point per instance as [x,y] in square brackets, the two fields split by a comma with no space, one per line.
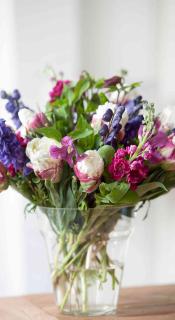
[10,107]
[137,100]
[104,130]
[111,139]
[108,115]
[112,81]
[3,94]
[118,116]
[16,94]
[133,107]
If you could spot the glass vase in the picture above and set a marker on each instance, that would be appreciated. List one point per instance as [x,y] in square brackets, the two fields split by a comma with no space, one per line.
[86,252]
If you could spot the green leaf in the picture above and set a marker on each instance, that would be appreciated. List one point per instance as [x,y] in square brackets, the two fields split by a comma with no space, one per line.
[82,130]
[146,187]
[54,196]
[107,153]
[103,98]
[49,132]
[82,86]
[112,192]
[99,84]
[91,106]
[131,197]
[168,165]
[118,192]
[69,94]
[78,134]
[87,143]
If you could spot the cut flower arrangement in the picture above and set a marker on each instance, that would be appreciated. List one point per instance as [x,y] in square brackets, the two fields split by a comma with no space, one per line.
[96,152]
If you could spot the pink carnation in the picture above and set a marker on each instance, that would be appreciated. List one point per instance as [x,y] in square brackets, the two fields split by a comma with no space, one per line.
[57,90]
[121,153]
[138,172]
[119,167]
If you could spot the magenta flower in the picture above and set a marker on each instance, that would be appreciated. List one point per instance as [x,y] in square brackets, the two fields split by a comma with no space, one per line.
[138,172]
[131,149]
[133,172]
[159,140]
[38,121]
[66,152]
[57,90]
[119,167]
[121,153]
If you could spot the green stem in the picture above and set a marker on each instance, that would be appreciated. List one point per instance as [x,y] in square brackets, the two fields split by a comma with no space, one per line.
[61,306]
[139,148]
[57,274]
[84,291]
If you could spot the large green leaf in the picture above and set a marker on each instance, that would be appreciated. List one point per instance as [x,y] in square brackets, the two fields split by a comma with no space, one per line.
[82,130]
[107,153]
[112,192]
[118,192]
[146,187]
[54,196]
[82,86]
[49,132]
[131,197]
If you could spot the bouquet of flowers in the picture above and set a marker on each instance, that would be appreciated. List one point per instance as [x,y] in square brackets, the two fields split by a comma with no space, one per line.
[95,153]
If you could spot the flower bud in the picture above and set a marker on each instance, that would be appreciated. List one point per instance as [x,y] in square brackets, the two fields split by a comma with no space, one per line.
[31,120]
[89,170]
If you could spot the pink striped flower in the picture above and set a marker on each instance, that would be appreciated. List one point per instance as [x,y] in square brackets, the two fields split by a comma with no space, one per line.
[89,170]
[31,120]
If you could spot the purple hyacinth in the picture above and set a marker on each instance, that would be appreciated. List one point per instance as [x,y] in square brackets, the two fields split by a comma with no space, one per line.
[131,129]
[13,105]
[11,152]
[114,128]
[108,115]
[117,117]
[133,107]
[104,130]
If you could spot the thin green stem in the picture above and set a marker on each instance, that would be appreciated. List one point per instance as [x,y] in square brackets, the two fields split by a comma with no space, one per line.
[73,276]
[84,291]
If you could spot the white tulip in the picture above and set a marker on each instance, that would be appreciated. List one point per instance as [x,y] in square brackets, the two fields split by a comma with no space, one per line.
[38,151]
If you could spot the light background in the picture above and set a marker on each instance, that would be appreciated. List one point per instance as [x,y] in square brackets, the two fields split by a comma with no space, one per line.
[101,36]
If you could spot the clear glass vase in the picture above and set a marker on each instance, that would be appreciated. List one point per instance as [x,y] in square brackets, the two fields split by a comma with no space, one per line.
[86,252]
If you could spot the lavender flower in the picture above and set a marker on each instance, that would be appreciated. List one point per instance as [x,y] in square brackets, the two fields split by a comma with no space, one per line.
[11,152]
[13,105]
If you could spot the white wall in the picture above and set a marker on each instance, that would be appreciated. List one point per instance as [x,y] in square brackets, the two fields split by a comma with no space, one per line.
[101,36]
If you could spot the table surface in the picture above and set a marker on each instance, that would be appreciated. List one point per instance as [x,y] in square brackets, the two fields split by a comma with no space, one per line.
[147,303]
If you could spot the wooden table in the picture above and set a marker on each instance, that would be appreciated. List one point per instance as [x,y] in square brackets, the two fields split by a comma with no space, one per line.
[148,303]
